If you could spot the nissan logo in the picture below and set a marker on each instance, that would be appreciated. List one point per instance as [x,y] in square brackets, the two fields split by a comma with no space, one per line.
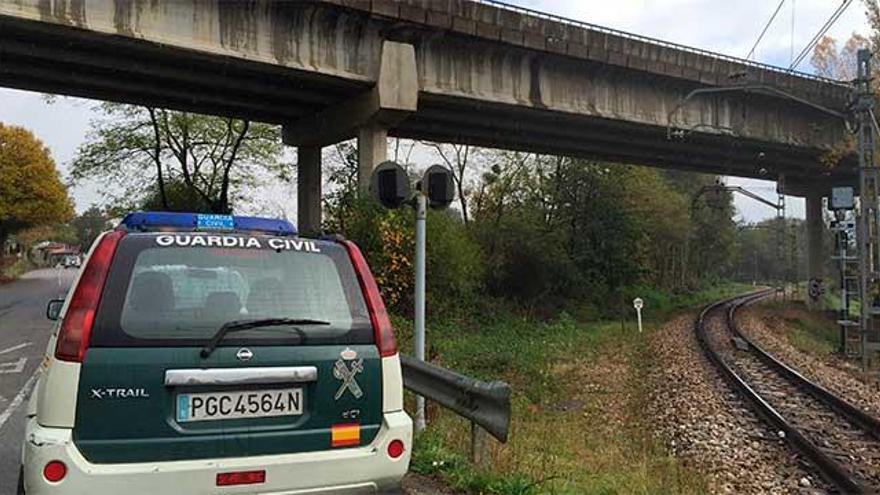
[244,354]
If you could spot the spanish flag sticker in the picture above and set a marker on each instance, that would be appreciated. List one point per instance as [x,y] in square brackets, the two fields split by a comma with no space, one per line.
[345,435]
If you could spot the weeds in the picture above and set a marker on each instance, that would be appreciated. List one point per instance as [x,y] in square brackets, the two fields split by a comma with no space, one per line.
[580,421]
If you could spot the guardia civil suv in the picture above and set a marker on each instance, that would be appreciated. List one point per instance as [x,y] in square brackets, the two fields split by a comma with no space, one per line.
[211,354]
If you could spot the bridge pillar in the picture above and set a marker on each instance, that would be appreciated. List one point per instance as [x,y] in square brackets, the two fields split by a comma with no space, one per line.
[308,189]
[815,236]
[372,144]
[368,115]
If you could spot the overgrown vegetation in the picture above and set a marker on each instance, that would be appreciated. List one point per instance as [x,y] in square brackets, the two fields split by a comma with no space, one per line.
[810,332]
[580,421]
[545,234]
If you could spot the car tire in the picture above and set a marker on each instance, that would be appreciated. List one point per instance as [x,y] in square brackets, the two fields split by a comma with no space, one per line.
[20,490]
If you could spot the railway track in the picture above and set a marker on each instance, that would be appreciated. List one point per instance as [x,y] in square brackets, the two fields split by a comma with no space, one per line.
[840,440]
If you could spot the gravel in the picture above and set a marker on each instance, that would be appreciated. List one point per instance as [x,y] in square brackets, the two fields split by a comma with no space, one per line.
[843,441]
[837,375]
[704,422]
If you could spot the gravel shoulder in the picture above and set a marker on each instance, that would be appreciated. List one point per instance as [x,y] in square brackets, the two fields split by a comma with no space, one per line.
[703,422]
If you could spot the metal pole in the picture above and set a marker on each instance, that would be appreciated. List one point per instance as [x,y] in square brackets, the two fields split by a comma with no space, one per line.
[421,214]
[844,297]
[868,195]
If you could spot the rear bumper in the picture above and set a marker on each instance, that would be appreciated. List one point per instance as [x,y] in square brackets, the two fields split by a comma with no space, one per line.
[357,470]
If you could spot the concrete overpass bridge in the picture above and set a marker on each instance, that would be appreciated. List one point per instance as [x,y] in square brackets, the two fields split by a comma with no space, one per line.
[473,72]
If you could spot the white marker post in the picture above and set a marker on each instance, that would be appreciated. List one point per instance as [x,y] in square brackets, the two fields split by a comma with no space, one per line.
[639,304]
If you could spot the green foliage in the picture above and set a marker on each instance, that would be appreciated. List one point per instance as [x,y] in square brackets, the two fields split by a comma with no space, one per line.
[546,233]
[432,458]
[454,265]
[177,197]
[31,192]
[148,155]
[89,225]
[387,239]
[11,268]
[764,251]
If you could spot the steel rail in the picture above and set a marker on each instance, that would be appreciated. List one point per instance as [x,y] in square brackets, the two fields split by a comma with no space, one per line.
[830,469]
[855,415]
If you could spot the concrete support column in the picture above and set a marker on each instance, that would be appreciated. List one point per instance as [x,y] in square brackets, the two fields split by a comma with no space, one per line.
[308,189]
[372,143]
[815,235]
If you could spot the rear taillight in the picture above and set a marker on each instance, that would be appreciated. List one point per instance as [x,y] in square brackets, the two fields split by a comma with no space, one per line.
[241,478]
[54,471]
[384,334]
[76,329]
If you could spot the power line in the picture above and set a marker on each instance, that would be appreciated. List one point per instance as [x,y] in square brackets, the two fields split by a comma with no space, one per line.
[764,31]
[824,29]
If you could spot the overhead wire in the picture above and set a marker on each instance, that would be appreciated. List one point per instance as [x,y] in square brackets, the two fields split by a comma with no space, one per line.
[766,27]
[824,29]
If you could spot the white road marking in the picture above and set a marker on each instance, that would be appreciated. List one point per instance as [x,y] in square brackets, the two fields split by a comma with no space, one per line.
[15,348]
[13,366]
[19,398]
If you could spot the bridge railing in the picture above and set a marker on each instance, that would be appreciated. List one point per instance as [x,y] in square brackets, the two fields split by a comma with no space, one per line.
[655,41]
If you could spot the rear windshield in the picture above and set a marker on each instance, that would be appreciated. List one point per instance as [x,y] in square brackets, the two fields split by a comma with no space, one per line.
[179,289]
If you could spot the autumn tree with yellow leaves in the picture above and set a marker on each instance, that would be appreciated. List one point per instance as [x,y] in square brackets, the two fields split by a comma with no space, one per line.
[31,191]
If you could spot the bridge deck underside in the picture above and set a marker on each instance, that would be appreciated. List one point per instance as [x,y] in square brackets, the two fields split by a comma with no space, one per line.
[68,61]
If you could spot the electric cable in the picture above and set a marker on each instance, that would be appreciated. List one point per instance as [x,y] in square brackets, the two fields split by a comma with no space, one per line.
[824,29]
[766,27]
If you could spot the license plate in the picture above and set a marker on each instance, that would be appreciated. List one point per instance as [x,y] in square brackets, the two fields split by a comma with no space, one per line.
[211,406]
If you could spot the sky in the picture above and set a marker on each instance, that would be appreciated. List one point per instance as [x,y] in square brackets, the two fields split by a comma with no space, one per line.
[724,26]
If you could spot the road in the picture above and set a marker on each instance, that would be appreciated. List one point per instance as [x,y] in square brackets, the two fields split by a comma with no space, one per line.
[24,331]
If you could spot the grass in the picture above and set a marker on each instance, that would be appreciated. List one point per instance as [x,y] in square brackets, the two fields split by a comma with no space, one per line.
[809,332]
[580,420]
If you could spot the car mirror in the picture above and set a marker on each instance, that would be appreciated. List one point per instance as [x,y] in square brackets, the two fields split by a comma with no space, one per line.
[53,309]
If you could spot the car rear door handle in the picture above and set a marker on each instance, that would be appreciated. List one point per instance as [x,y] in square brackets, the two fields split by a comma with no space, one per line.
[241,376]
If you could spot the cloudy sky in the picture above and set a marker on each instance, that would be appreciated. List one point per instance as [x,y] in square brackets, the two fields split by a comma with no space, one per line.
[725,26]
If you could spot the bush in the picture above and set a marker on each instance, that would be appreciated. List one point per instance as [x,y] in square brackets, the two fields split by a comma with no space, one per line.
[387,239]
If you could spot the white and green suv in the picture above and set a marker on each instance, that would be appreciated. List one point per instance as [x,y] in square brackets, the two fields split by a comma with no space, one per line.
[212,354]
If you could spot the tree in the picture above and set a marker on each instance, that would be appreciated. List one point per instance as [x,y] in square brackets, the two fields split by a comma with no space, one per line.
[89,225]
[459,158]
[31,192]
[145,150]
[837,64]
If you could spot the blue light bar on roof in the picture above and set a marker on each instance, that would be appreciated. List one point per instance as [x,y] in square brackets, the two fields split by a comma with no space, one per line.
[159,220]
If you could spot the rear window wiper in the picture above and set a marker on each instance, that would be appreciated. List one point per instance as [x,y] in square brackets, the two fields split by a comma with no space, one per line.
[239,325]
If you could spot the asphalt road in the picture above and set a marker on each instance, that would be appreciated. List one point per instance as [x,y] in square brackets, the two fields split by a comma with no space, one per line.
[24,331]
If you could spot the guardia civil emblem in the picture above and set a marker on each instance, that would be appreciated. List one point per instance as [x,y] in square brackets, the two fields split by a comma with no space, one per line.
[348,374]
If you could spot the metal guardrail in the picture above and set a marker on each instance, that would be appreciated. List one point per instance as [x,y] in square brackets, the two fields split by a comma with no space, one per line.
[655,41]
[486,404]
